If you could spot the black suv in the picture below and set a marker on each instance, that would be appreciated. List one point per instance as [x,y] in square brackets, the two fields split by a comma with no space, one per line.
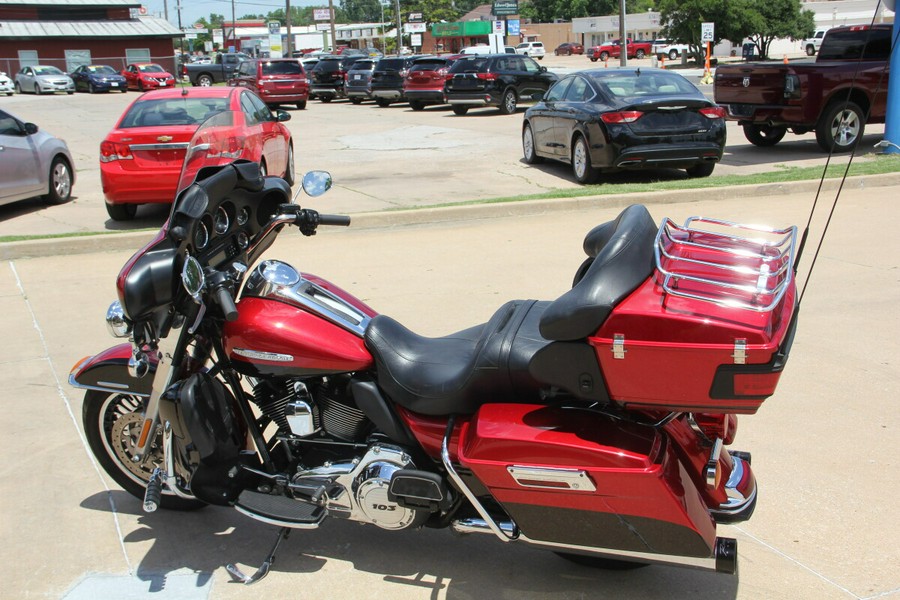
[326,80]
[388,77]
[494,80]
[359,75]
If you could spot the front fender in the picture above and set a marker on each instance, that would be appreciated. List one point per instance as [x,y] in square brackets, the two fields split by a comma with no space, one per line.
[108,372]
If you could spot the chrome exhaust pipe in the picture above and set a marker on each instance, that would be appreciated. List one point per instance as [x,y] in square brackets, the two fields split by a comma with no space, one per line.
[475,525]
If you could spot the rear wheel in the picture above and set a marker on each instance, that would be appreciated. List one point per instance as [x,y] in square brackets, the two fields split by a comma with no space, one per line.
[325,99]
[460,110]
[417,105]
[763,135]
[112,424]
[639,54]
[673,54]
[121,212]
[581,162]
[531,156]
[508,102]
[810,50]
[701,170]
[60,182]
[841,127]
[204,80]
[301,105]
[355,100]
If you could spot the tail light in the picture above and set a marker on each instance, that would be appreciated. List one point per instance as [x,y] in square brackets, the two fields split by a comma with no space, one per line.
[627,116]
[113,151]
[791,86]
[714,426]
[184,71]
[232,147]
[487,76]
[713,112]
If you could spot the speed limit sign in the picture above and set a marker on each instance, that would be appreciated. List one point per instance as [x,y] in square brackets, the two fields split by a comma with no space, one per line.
[707,32]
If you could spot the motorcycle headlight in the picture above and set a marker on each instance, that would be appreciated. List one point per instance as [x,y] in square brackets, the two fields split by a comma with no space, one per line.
[119,326]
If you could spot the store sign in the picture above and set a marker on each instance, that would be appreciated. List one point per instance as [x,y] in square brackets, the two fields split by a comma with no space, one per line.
[414,28]
[416,17]
[321,14]
[513,27]
[505,7]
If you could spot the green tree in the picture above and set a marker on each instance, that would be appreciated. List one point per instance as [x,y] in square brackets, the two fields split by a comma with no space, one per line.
[681,21]
[362,11]
[778,19]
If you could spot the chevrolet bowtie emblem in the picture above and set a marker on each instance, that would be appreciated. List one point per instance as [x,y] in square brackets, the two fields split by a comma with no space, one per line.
[164,138]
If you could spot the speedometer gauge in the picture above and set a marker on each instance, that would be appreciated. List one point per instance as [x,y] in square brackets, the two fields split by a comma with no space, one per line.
[201,236]
[243,216]
[222,220]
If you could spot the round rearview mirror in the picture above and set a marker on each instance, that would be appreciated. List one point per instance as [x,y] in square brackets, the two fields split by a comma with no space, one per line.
[316,183]
[192,277]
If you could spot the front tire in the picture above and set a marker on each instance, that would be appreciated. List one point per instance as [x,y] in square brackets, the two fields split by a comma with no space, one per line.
[841,127]
[508,102]
[763,135]
[528,150]
[37,89]
[112,424]
[60,181]
[204,81]
[582,168]
[604,56]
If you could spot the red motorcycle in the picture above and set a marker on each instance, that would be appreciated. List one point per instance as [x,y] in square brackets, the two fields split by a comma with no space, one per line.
[594,425]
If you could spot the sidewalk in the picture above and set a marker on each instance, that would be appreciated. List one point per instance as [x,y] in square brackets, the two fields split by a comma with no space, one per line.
[825,447]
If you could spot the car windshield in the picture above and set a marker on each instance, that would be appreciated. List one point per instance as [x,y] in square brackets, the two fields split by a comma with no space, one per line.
[657,83]
[151,69]
[172,111]
[282,67]
[101,70]
[47,71]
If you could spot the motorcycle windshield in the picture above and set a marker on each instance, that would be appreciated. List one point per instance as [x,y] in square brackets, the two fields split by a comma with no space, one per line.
[215,143]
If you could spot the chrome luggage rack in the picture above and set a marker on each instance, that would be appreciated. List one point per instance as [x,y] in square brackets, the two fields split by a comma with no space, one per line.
[735,265]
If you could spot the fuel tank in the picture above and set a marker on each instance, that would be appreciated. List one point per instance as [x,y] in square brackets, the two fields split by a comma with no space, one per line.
[294,324]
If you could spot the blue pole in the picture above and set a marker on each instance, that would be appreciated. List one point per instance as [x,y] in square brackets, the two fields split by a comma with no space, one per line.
[892,117]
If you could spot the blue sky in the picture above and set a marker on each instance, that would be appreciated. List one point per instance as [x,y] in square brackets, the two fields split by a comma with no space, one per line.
[194,9]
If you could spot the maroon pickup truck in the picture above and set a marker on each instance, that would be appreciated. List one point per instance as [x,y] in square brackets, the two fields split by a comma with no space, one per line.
[613,49]
[835,96]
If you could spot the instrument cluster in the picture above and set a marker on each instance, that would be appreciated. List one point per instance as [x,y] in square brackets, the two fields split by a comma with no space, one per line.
[224,232]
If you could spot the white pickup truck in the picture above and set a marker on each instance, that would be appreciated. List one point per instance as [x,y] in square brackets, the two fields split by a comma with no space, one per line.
[811,45]
[670,50]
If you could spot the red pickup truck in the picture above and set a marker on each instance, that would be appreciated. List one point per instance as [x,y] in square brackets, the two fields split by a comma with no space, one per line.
[614,50]
[835,96]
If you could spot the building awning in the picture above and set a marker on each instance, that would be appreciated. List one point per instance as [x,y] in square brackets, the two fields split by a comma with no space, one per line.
[140,27]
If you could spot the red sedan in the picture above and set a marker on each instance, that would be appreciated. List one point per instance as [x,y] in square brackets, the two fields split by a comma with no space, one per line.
[141,158]
[147,76]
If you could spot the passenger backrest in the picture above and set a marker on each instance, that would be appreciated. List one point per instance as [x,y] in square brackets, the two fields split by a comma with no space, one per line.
[623,260]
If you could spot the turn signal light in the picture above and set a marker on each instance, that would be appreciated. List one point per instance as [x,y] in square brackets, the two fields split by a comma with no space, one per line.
[627,116]
[113,151]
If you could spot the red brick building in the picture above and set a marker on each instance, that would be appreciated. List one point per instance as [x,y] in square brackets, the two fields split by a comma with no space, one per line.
[69,33]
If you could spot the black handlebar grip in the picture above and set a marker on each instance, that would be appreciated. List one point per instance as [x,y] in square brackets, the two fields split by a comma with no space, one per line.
[336,220]
[226,303]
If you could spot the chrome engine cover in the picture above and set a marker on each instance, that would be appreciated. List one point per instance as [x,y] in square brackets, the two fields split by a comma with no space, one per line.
[358,490]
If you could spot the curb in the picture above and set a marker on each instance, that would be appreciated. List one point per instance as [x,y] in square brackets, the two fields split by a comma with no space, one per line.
[427,216]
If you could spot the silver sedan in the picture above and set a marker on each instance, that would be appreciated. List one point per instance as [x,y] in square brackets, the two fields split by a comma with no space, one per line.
[42,79]
[33,163]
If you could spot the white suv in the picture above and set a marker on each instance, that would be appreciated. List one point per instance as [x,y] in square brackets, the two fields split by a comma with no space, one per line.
[532,49]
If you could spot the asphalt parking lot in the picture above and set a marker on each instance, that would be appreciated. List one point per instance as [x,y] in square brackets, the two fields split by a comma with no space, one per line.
[381,158]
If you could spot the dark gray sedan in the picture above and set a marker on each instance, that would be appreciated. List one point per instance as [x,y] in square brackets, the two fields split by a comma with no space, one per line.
[33,163]
[604,120]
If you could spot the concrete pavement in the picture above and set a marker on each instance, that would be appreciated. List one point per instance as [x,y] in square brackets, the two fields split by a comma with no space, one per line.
[825,447]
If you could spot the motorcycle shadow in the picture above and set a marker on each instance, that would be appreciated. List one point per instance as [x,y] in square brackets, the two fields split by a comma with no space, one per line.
[423,563]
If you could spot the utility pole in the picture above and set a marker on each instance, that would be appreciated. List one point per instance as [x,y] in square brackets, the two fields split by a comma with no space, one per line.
[400,27]
[287,17]
[333,36]
[623,44]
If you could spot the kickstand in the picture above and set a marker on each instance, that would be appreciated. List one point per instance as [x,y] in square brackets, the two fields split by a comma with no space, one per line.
[263,570]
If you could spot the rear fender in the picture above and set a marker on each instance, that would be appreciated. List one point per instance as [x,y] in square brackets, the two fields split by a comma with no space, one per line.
[108,372]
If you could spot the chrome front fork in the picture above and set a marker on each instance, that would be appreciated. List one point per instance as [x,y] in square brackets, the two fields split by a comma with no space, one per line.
[162,379]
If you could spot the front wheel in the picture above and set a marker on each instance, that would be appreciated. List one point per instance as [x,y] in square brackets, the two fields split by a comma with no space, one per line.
[60,182]
[301,105]
[841,127]
[112,425]
[604,56]
[810,50]
[289,169]
[763,135]
[528,150]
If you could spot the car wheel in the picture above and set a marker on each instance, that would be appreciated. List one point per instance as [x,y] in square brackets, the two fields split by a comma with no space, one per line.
[673,54]
[121,212]
[763,135]
[140,86]
[460,110]
[289,168]
[701,170]
[60,181]
[604,56]
[581,162]
[204,81]
[528,150]
[37,89]
[301,105]
[325,99]
[508,103]
[639,54]
[593,59]
[810,50]
[91,88]
[841,127]
[17,88]
[416,105]
[356,100]
[381,102]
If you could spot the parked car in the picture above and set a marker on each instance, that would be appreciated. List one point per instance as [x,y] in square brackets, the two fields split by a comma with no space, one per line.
[219,70]
[477,49]
[388,77]
[98,78]
[668,49]
[613,49]
[535,49]
[141,158]
[327,79]
[811,45]
[424,83]
[147,76]
[34,163]
[359,75]
[6,84]
[43,79]
[603,120]
[276,80]
[500,80]
[568,49]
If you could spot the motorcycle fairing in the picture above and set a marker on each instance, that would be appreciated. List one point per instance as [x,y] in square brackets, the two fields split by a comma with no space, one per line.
[108,372]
